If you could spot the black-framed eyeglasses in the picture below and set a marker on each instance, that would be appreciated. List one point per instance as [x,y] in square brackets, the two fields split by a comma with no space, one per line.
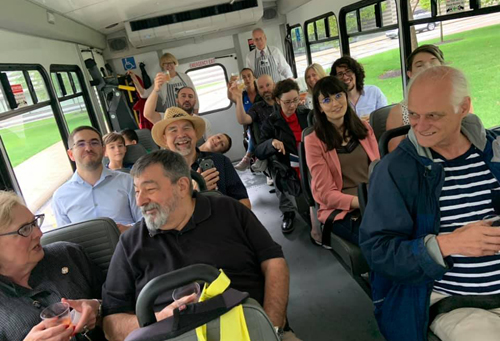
[346,73]
[26,230]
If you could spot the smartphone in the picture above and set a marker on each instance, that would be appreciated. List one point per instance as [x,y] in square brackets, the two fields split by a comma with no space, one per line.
[206,164]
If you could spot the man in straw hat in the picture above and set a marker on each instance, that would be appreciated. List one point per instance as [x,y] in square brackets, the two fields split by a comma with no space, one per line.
[178,131]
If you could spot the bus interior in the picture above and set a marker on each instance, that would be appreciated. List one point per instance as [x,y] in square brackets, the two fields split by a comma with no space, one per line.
[48,90]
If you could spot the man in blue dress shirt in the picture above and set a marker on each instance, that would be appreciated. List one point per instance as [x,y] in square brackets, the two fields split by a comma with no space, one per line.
[94,191]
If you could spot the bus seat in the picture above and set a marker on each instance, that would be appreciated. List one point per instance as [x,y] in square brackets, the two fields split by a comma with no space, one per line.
[378,120]
[146,140]
[134,152]
[383,143]
[98,237]
[305,176]
[348,254]
[310,119]
[259,326]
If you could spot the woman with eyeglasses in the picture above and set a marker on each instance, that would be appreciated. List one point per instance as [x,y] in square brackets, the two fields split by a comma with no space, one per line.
[33,277]
[365,99]
[338,154]
[281,134]
[166,84]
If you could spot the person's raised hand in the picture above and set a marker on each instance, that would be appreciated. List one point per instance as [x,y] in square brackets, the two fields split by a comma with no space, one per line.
[160,79]
[211,177]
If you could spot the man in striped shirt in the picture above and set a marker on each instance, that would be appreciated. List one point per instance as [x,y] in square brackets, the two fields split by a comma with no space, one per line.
[426,232]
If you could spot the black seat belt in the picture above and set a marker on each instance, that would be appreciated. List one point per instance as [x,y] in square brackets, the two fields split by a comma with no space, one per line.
[486,302]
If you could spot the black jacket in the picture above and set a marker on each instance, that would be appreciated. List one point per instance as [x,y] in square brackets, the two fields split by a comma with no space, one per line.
[275,127]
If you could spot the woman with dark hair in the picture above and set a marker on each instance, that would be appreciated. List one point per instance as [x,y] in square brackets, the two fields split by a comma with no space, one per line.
[280,135]
[364,98]
[338,154]
[422,58]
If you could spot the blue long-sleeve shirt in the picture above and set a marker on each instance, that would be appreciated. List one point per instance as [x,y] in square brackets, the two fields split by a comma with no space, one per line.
[112,196]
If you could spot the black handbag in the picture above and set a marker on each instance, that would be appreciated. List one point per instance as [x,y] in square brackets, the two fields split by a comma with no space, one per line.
[285,177]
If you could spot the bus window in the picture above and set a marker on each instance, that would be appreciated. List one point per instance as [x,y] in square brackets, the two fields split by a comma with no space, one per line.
[19,89]
[471,45]
[211,85]
[378,52]
[323,40]
[299,49]
[71,99]
[32,141]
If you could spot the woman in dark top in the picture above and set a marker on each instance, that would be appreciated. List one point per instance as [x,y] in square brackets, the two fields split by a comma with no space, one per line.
[281,134]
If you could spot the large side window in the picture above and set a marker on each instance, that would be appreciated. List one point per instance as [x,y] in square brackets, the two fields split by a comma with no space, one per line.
[469,43]
[72,96]
[211,85]
[322,40]
[33,133]
[371,37]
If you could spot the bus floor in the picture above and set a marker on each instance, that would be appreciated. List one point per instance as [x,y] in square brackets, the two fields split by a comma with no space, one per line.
[325,302]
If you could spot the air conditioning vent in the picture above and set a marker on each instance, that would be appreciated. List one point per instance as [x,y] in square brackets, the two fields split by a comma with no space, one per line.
[270,13]
[200,13]
[118,44]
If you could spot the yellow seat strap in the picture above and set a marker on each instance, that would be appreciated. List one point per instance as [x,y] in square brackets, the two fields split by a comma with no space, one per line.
[232,324]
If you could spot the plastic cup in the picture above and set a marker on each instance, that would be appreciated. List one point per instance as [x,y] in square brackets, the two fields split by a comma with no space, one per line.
[59,310]
[191,288]
[240,84]
[167,75]
[234,76]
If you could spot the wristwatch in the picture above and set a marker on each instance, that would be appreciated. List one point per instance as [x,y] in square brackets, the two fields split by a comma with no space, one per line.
[279,331]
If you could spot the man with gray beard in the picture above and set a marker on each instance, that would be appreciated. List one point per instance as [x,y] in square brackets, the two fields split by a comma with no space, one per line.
[94,191]
[181,228]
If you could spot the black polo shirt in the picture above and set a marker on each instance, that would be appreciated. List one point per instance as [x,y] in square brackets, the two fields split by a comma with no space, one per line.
[65,271]
[222,232]
[229,182]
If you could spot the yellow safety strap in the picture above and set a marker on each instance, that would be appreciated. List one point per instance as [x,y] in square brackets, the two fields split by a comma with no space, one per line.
[232,324]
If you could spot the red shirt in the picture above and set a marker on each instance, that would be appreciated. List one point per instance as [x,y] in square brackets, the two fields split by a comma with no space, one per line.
[293,123]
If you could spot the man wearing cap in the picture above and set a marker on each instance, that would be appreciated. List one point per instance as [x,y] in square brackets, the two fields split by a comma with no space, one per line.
[178,131]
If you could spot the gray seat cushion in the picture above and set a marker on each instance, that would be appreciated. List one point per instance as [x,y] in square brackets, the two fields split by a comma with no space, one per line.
[98,237]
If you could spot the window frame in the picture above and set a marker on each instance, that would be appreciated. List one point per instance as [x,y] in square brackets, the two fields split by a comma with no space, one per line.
[67,68]
[7,176]
[328,38]
[289,29]
[226,79]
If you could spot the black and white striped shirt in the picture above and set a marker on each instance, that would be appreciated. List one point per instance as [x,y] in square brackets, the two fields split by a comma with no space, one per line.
[466,198]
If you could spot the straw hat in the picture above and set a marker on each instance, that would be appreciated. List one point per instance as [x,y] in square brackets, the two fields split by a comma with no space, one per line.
[175,114]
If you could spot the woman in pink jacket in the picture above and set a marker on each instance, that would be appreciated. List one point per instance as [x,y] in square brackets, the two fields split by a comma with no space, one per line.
[338,154]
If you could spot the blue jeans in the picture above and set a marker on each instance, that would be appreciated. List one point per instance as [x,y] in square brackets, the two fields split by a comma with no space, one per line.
[251,144]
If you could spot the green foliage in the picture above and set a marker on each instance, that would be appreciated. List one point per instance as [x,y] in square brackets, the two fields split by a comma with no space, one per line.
[475,52]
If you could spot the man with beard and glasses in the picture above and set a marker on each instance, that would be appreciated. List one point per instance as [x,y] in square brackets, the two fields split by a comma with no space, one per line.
[181,228]
[364,98]
[94,191]
[179,132]
[185,99]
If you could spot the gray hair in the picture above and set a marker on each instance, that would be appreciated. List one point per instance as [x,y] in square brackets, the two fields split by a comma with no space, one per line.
[8,200]
[258,29]
[457,78]
[174,165]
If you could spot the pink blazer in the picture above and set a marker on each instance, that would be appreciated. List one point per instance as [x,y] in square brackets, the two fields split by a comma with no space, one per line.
[326,184]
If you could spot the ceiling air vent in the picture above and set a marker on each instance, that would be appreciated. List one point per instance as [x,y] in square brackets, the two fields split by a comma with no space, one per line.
[118,44]
[199,13]
[270,13]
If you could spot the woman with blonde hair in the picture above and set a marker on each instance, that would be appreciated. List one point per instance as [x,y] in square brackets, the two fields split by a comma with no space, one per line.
[313,73]
[170,81]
